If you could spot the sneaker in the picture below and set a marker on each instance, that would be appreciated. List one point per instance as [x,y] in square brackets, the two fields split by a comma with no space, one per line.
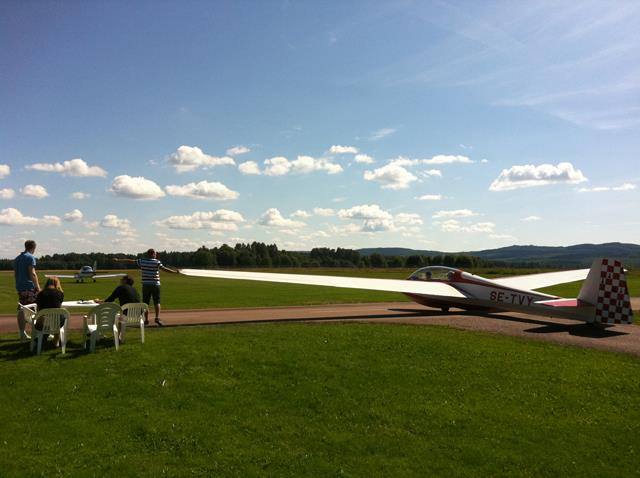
[160,323]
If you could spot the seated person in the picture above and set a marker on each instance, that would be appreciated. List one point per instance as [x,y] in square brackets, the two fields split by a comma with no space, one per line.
[125,292]
[51,297]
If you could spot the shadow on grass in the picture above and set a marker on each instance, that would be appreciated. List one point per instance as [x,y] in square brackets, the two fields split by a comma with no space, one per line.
[579,329]
[13,349]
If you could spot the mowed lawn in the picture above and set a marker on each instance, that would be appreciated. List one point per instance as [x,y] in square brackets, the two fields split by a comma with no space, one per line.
[182,292]
[318,400]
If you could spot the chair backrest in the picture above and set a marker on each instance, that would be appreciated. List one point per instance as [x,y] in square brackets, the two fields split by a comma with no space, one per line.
[105,315]
[134,311]
[29,313]
[51,319]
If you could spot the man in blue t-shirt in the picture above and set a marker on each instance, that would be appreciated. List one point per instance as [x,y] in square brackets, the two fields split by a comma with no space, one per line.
[27,284]
[150,269]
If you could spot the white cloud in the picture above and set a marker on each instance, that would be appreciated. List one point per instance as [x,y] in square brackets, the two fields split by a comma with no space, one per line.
[136,188]
[80,195]
[454,213]
[433,172]
[531,218]
[528,175]
[300,213]
[337,149]
[73,216]
[484,161]
[13,217]
[272,218]
[622,187]
[189,158]
[75,167]
[237,150]
[249,167]
[377,225]
[364,159]
[112,221]
[34,191]
[364,211]
[453,225]
[502,236]
[408,219]
[5,170]
[381,133]
[279,166]
[324,211]
[203,190]
[392,176]
[429,197]
[7,193]
[437,159]
[220,220]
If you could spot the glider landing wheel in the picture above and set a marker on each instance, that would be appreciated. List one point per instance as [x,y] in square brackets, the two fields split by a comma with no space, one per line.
[591,324]
[77,281]
[444,309]
[94,280]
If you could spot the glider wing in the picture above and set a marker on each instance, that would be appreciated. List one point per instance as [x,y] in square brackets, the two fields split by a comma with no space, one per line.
[538,281]
[388,285]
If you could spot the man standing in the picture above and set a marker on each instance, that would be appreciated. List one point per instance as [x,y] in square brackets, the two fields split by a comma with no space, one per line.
[150,269]
[27,284]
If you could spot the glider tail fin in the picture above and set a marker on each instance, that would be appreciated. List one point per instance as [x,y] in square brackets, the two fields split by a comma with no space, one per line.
[606,289]
[95,266]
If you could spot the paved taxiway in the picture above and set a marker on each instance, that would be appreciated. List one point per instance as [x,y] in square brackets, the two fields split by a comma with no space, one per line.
[619,338]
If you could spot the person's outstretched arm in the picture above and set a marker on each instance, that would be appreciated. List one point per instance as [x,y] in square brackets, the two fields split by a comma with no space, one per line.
[129,261]
[169,269]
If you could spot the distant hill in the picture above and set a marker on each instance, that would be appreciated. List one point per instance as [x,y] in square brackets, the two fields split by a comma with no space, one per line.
[569,256]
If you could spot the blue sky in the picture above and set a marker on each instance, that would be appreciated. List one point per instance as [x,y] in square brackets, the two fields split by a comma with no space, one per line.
[432,125]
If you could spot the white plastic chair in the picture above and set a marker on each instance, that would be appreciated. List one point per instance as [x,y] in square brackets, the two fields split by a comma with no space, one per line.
[102,319]
[51,319]
[133,314]
[29,314]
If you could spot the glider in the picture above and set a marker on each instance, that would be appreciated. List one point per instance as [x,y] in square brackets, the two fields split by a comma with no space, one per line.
[86,272]
[603,299]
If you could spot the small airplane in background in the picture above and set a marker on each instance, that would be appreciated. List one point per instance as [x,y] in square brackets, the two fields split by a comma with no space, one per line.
[86,272]
[603,299]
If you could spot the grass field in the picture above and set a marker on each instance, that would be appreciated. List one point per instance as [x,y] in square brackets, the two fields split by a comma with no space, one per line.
[318,400]
[182,292]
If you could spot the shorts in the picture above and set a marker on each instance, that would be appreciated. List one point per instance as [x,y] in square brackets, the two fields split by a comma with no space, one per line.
[26,297]
[151,291]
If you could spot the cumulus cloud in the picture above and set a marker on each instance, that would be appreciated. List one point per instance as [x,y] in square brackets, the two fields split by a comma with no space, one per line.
[381,133]
[391,176]
[364,211]
[300,213]
[34,191]
[337,149]
[408,219]
[364,158]
[249,167]
[272,218]
[429,197]
[112,221]
[80,195]
[75,167]
[136,188]
[237,150]
[324,211]
[13,217]
[531,218]
[454,213]
[7,193]
[203,190]
[221,220]
[622,187]
[190,158]
[377,225]
[279,166]
[73,216]
[433,172]
[529,175]
[437,159]
[5,170]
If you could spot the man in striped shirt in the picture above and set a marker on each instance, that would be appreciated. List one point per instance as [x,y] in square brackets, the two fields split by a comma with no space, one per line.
[150,269]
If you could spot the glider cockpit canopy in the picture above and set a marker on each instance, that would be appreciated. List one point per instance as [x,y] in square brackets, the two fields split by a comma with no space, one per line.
[436,273]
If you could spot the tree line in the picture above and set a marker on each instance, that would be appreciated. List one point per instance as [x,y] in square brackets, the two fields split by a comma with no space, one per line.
[258,255]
